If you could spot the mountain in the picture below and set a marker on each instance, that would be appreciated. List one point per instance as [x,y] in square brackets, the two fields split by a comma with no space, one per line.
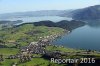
[33,13]
[69,25]
[88,13]
[92,12]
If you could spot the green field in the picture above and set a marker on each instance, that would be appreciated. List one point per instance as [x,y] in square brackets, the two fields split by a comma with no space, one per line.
[27,33]
[23,35]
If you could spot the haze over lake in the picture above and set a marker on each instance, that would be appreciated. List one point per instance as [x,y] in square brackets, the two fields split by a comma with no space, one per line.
[36,19]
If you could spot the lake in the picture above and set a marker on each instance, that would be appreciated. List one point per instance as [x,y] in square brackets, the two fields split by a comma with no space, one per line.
[36,19]
[85,37]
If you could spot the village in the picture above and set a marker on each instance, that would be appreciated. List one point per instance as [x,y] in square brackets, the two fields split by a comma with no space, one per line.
[42,48]
[26,52]
[39,49]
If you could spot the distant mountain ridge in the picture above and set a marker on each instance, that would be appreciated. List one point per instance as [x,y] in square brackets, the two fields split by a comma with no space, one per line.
[92,12]
[33,13]
[88,13]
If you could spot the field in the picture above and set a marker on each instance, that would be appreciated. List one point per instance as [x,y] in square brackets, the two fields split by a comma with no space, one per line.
[23,35]
[12,39]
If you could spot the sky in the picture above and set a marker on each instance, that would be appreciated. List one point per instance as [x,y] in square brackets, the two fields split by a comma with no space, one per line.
[8,6]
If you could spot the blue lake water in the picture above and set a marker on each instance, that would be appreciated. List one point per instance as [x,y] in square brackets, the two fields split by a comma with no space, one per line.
[86,37]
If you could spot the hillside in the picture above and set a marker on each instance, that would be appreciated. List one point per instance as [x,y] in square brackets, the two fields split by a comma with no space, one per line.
[88,13]
[69,25]
[26,33]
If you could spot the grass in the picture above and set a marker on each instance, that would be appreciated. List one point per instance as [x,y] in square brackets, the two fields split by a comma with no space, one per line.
[19,34]
[73,52]
[63,49]
[39,62]
[9,62]
[8,51]
[33,62]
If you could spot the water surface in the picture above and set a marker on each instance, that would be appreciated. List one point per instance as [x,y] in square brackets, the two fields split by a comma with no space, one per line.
[86,37]
[42,18]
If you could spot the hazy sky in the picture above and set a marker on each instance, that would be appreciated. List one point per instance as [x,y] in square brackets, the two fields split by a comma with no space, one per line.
[7,6]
